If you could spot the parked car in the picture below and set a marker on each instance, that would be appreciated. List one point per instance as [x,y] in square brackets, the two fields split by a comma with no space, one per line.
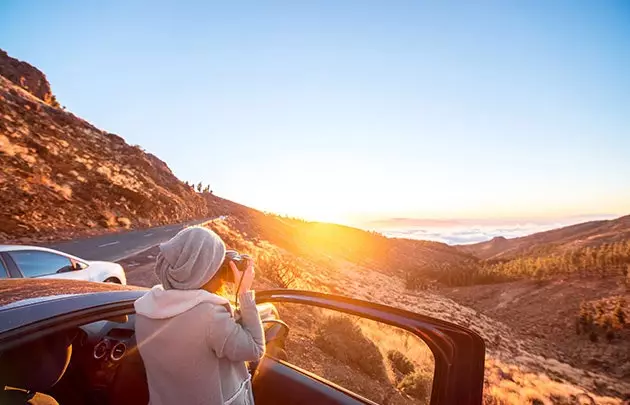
[85,332]
[17,261]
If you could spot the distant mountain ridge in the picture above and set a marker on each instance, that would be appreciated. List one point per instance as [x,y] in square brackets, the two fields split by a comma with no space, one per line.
[586,234]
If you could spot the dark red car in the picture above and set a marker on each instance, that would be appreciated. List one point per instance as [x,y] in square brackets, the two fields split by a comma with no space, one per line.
[74,341]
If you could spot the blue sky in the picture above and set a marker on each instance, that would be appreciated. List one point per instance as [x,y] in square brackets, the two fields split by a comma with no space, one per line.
[357,110]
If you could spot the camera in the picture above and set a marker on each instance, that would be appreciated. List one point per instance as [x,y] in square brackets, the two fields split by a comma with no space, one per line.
[239,260]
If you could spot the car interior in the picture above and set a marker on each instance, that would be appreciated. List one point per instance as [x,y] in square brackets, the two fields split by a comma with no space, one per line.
[97,363]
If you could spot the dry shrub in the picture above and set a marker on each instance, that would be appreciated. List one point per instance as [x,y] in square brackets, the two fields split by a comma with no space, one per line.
[343,339]
[281,271]
[124,222]
[417,385]
[108,220]
[400,362]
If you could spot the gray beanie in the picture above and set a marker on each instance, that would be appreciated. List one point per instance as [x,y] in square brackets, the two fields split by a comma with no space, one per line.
[190,259]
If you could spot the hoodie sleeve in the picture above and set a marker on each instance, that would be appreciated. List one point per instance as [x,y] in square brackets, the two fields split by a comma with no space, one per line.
[238,342]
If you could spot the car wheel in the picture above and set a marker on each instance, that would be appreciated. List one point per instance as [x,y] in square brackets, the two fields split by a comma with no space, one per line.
[112,280]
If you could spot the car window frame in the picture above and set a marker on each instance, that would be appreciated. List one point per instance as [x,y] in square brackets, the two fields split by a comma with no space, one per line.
[458,375]
[14,271]
[17,266]
[4,268]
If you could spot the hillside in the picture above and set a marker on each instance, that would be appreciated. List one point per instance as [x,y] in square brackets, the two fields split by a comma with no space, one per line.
[325,240]
[587,234]
[62,176]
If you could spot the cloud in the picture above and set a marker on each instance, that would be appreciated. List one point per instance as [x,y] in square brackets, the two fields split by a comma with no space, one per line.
[456,232]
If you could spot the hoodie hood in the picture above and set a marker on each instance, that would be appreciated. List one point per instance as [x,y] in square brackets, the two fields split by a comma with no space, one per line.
[159,303]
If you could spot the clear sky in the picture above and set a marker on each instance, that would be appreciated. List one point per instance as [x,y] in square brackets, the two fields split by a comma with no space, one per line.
[356,110]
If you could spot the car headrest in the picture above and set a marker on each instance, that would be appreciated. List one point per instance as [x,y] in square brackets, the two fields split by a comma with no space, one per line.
[38,365]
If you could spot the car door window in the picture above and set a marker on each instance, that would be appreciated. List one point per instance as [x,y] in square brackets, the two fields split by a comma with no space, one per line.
[377,361]
[34,263]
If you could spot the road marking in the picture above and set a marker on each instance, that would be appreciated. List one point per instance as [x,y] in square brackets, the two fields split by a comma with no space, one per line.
[109,244]
[148,234]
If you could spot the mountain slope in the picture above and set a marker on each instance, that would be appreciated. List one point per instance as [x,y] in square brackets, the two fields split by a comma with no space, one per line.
[587,234]
[62,175]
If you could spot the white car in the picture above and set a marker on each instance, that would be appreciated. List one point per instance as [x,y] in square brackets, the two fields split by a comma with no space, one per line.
[18,261]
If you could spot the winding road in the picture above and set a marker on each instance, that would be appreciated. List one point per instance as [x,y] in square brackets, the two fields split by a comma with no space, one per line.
[117,246]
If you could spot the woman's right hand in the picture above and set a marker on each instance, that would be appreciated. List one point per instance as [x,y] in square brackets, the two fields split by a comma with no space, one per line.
[248,276]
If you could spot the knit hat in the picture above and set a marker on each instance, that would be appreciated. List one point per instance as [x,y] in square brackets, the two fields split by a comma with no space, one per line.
[190,259]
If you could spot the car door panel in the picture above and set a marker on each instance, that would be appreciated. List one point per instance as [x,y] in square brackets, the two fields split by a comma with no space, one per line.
[276,382]
[459,353]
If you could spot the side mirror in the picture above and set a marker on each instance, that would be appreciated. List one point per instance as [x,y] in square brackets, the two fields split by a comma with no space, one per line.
[78,266]
[276,333]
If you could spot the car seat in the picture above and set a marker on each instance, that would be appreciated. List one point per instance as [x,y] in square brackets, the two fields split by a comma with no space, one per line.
[33,368]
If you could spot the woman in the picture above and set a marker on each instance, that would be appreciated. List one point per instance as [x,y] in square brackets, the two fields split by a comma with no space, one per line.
[193,349]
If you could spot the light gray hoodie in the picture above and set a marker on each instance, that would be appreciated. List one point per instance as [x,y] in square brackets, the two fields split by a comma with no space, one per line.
[193,348]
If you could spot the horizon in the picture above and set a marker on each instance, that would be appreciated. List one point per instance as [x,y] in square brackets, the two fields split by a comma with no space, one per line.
[496,119]
[469,231]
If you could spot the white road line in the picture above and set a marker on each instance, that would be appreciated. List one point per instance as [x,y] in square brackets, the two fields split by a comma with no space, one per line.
[109,244]
[148,234]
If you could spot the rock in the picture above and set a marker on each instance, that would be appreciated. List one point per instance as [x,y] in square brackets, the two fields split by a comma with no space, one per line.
[27,77]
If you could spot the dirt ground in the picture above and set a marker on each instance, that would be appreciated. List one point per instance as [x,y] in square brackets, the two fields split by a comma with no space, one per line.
[545,312]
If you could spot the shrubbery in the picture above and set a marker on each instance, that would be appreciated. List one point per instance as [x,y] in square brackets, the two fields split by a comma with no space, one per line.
[417,385]
[343,339]
[609,259]
[605,318]
[281,271]
[400,362]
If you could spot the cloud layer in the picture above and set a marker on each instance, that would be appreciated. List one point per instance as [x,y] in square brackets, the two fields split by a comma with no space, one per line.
[456,232]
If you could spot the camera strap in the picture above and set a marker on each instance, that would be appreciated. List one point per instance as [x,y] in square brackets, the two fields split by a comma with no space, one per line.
[238,287]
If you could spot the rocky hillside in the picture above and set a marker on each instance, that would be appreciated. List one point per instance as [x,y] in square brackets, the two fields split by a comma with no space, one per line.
[587,234]
[61,175]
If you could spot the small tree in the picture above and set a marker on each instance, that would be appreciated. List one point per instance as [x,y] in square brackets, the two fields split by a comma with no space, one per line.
[400,362]
[199,186]
[620,315]
[206,189]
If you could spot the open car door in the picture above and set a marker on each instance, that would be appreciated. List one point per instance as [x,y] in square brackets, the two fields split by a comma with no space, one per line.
[347,351]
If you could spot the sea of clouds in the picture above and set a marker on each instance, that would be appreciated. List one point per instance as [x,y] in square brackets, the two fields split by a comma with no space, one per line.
[459,236]
[467,231]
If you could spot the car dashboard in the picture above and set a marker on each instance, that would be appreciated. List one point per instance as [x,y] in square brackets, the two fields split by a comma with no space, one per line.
[106,367]
[105,362]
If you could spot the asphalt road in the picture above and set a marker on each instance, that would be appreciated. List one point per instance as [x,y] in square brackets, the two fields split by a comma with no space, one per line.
[117,246]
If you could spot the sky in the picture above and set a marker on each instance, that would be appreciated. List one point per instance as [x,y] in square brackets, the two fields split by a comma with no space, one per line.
[357,111]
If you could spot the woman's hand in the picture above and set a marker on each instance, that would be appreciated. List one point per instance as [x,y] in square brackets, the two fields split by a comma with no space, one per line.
[248,276]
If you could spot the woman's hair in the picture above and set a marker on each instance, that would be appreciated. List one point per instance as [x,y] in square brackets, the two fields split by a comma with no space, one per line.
[220,279]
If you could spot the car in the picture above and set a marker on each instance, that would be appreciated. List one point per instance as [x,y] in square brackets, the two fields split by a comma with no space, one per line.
[19,261]
[74,341]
